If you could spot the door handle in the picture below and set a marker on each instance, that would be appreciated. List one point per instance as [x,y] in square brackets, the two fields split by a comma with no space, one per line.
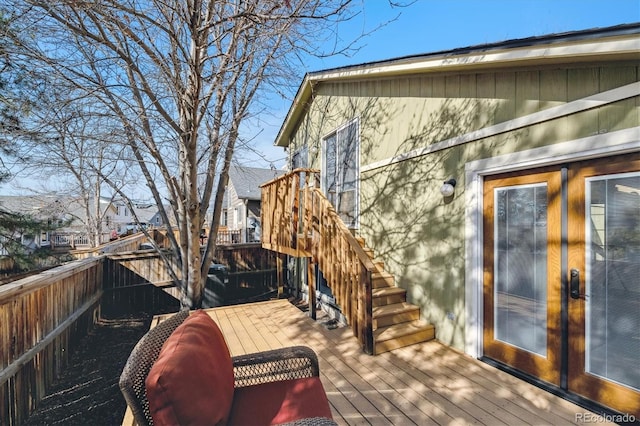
[574,283]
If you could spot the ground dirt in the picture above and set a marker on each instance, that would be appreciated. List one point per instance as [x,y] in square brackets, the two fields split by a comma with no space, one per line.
[87,393]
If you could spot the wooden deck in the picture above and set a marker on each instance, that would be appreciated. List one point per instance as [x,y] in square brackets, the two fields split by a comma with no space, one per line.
[424,384]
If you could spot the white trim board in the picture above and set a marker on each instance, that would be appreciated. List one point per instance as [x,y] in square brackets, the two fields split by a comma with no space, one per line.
[573,107]
[511,56]
[600,145]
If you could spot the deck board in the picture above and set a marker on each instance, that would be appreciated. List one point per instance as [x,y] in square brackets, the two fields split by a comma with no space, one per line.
[426,383]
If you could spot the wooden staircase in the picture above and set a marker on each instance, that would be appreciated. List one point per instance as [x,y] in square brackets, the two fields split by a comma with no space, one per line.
[396,323]
[299,221]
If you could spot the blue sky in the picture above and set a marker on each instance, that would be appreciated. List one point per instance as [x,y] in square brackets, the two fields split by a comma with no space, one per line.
[428,26]
[433,25]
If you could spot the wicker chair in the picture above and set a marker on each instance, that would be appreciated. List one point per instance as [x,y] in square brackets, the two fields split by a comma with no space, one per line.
[142,357]
[294,362]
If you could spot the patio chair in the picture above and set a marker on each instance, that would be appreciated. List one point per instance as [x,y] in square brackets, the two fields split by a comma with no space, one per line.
[261,383]
[142,357]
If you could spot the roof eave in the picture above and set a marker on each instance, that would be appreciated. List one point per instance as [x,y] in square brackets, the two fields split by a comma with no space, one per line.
[295,111]
[624,46]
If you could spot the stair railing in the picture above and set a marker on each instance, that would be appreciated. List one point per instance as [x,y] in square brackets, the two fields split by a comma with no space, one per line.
[297,219]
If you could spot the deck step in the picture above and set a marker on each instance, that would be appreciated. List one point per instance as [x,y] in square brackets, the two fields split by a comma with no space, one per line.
[388,296]
[395,322]
[383,279]
[397,313]
[401,335]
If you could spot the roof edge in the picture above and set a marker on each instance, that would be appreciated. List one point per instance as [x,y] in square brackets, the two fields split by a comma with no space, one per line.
[525,50]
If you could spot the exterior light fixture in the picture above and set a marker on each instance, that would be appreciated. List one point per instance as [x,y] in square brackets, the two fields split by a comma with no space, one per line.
[448,187]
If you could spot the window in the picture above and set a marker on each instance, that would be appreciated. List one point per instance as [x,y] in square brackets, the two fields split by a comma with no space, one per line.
[340,171]
[300,158]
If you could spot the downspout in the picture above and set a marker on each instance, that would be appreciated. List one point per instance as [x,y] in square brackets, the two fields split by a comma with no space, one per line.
[245,224]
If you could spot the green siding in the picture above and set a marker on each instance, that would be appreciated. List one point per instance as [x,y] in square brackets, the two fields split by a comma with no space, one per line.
[403,216]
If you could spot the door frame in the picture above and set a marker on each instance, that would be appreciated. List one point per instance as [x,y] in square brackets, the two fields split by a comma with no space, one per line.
[591,147]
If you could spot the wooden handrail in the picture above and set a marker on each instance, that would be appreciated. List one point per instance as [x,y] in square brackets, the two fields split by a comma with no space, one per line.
[297,219]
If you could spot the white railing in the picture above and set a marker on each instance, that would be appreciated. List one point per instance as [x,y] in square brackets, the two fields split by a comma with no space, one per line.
[69,239]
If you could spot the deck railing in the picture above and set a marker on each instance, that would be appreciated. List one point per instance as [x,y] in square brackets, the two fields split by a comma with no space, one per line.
[229,236]
[70,239]
[298,220]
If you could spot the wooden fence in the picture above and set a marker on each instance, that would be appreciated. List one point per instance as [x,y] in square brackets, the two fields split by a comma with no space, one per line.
[226,236]
[138,282]
[124,244]
[253,271]
[41,319]
[69,239]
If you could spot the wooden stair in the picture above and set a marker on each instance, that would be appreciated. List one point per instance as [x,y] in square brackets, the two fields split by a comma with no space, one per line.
[396,323]
[372,304]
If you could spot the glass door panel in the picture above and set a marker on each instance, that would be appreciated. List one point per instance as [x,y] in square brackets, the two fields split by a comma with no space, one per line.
[612,275]
[521,272]
[520,287]
[604,306]
[329,173]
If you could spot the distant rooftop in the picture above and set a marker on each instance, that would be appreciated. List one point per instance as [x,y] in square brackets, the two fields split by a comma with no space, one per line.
[247,180]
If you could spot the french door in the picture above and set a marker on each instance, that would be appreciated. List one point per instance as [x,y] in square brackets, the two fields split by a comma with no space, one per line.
[562,277]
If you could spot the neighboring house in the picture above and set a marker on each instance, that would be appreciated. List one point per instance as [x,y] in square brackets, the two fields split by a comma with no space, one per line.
[123,215]
[40,208]
[66,214]
[530,258]
[241,205]
[155,219]
[144,214]
[76,230]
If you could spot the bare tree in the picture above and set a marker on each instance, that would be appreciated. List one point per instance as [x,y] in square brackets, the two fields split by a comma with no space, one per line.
[177,79]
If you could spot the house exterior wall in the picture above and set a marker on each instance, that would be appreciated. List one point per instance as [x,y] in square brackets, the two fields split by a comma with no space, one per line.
[439,122]
[239,214]
[235,208]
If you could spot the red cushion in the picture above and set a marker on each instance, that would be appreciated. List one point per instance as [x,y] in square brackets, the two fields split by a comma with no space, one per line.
[279,402]
[192,381]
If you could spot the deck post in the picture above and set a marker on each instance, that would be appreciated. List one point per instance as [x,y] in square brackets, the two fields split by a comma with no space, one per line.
[311,280]
[280,266]
[367,321]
